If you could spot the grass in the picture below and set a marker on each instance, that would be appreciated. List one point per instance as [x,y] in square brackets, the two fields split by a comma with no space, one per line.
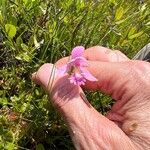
[33,32]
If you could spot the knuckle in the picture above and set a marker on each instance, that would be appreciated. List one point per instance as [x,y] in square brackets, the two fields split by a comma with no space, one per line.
[118,52]
[140,70]
[142,66]
[121,54]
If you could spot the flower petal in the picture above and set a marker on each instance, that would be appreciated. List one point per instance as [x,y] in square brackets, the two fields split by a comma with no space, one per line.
[77,52]
[78,61]
[87,75]
[62,70]
[77,79]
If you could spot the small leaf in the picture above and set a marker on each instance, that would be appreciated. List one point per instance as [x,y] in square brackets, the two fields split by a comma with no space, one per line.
[24,47]
[23,107]
[23,56]
[120,21]
[31,41]
[124,42]
[132,31]
[26,57]
[148,23]
[37,92]
[13,20]
[3,101]
[37,45]
[1,17]
[112,2]
[40,147]
[143,7]
[25,1]
[19,41]
[119,13]
[80,4]
[11,30]
[136,35]
[8,136]
[10,146]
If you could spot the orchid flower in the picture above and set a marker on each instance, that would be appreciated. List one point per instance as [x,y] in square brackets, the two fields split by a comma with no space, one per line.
[77,68]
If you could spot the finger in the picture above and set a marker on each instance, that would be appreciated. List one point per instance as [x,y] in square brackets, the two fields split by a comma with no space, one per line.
[112,77]
[45,76]
[98,53]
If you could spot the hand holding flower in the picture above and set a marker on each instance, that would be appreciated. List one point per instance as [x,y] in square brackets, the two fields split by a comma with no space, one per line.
[128,126]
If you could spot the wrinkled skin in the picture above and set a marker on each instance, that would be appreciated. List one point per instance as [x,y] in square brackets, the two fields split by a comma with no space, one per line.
[127,125]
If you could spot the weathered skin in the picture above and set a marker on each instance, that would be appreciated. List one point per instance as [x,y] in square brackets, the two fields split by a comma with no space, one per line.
[127,81]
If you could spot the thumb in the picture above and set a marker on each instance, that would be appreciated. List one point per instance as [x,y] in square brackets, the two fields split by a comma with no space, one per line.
[59,89]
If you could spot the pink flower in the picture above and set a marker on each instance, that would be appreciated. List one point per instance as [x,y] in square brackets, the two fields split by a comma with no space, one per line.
[77,68]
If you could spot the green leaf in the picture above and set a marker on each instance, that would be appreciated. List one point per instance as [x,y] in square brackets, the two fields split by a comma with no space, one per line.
[120,21]
[24,56]
[119,13]
[8,136]
[112,2]
[31,41]
[10,146]
[2,2]
[37,92]
[13,20]
[24,47]
[143,7]
[37,45]
[40,147]
[80,4]
[147,24]
[10,30]
[19,41]
[131,32]
[136,35]
[25,1]
[1,17]
[3,101]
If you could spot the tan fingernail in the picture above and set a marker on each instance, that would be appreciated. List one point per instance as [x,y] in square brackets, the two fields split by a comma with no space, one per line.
[33,76]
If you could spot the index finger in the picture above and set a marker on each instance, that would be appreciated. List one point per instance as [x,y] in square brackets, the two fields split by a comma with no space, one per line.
[98,53]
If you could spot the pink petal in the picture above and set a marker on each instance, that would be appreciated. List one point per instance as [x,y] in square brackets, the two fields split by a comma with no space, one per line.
[87,75]
[72,80]
[77,52]
[77,79]
[78,61]
[62,70]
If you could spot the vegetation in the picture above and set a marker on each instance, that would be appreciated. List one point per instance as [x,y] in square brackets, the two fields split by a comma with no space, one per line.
[33,32]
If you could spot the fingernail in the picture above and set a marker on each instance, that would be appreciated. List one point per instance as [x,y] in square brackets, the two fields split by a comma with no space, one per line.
[33,76]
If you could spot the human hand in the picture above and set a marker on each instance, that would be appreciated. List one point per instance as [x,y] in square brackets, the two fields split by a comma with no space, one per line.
[127,81]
